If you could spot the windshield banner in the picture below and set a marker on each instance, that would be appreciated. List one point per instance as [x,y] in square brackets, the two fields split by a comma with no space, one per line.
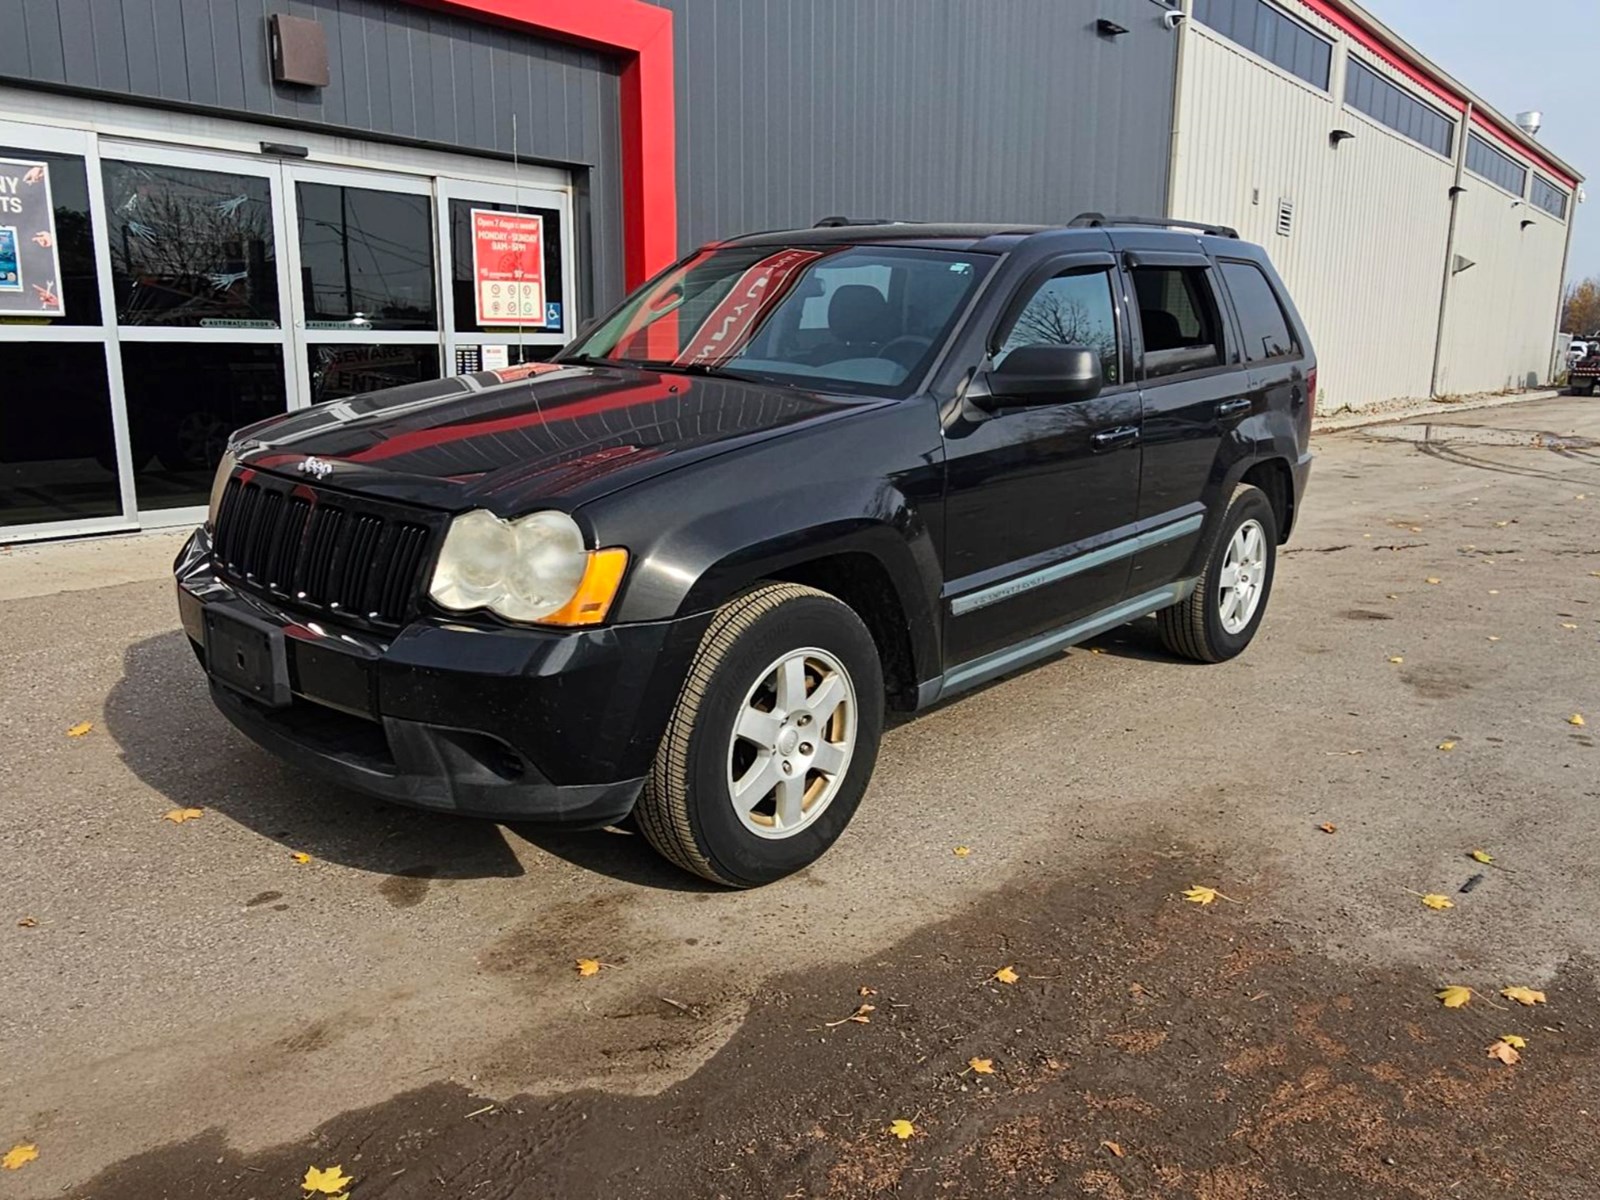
[735,320]
[30,268]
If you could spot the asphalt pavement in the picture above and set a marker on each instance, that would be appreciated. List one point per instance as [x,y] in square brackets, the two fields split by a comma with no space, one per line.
[184,998]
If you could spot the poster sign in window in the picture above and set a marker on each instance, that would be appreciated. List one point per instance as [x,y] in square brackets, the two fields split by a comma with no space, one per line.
[508,267]
[30,264]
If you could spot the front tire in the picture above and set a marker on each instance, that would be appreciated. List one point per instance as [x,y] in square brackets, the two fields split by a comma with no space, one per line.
[1222,614]
[773,739]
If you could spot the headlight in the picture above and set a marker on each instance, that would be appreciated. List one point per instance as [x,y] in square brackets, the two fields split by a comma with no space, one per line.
[219,485]
[532,569]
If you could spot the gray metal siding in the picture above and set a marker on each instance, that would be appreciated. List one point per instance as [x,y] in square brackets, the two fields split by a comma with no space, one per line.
[1008,110]
[397,70]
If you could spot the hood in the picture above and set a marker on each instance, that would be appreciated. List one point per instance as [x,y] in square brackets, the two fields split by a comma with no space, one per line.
[539,433]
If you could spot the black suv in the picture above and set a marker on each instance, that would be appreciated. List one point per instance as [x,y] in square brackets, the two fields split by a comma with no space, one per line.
[681,571]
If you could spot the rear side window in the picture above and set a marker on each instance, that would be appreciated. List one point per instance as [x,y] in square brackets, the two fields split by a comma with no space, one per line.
[1179,316]
[1071,310]
[1261,318]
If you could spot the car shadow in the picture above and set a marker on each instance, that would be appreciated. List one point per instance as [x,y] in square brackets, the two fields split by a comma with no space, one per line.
[622,854]
[172,738]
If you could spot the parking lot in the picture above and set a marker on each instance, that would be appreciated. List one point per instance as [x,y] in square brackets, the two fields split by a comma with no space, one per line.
[301,976]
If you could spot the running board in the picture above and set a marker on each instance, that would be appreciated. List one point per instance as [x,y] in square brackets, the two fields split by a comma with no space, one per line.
[990,666]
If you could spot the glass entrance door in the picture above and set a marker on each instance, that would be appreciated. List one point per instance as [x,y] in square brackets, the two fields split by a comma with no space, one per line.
[200,289]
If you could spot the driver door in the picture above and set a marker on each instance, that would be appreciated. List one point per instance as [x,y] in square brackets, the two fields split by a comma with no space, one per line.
[1042,500]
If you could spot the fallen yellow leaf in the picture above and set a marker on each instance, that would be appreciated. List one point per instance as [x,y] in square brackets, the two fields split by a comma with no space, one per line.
[1115,1149]
[1205,895]
[1006,975]
[1396,659]
[300,856]
[81,728]
[861,1016]
[1523,995]
[1433,579]
[1511,1039]
[1492,638]
[588,966]
[1328,827]
[1482,856]
[179,815]
[1505,1052]
[1437,902]
[1447,745]
[902,1128]
[982,1066]
[1576,719]
[1568,625]
[327,1182]
[1453,996]
[962,851]
[864,990]
[28,923]
[19,1156]
[1501,524]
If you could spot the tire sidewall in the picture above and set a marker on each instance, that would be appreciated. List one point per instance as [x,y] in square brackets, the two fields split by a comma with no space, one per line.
[1249,504]
[738,855]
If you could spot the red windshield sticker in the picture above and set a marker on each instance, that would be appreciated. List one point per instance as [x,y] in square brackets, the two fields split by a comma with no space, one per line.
[735,320]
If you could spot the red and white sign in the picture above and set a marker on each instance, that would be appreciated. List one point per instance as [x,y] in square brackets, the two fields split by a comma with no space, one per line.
[508,267]
[735,320]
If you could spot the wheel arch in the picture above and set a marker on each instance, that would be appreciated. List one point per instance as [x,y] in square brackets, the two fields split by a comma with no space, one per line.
[1274,477]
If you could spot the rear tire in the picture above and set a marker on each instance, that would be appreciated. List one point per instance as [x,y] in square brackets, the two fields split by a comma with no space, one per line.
[1585,388]
[1222,614]
[757,775]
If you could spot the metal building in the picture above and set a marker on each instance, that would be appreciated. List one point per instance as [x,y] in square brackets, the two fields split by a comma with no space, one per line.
[1423,234]
[213,210]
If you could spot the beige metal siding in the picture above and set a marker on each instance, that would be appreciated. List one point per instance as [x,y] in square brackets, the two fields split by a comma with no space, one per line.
[1365,260]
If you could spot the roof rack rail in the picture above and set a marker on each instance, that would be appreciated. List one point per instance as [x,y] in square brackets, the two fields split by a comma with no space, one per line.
[1094,220]
[842,222]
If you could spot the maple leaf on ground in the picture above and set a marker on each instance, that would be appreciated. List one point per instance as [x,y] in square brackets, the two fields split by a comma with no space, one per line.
[1005,975]
[19,1156]
[1433,579]
[1447,745]
[1523,995]
[1205,895]
[1482,856]
[1396,659]
[982,1066]
[1511,1039]
[864,990]
[588,966]
[1115,1149]
[902,1128]
[1453,996]
[1437,902]
[1505,1052]
[962,851]
[861,1016]
[81,728]
[327,1182]
[179,815]
[1576,719]
[27,922]
[300,857]
[1328,827]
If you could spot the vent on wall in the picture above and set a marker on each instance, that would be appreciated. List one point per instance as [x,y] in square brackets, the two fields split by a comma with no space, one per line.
[1285,217]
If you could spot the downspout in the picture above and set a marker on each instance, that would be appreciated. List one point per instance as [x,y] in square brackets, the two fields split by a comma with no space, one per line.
[1561,284]
[1450,250]
[1175,151]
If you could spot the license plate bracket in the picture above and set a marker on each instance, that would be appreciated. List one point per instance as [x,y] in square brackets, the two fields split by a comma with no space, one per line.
[248,656]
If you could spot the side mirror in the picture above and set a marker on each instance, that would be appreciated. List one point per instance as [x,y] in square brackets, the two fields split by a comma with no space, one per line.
[1047,375]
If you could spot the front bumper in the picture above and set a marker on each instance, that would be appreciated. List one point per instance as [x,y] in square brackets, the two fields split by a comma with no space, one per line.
[482,720]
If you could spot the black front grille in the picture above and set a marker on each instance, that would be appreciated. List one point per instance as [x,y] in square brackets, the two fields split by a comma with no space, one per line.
[338,553]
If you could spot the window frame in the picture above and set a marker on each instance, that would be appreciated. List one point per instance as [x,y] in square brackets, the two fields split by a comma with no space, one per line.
[1231,357]
[1296,349]
[1551,189]
[1359,72]
[1259,35]
[1474,140]
[1081,263]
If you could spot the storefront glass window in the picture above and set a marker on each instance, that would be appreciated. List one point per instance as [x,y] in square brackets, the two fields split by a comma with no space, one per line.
[366,258]
[57,452]
[69,195]
[191,248]
[345,370]
[184,399]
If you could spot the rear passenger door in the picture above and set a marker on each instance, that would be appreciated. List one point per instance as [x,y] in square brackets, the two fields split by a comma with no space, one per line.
[1193,391]
[1273,355]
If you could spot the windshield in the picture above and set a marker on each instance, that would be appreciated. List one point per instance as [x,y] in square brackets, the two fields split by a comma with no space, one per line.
[851,318]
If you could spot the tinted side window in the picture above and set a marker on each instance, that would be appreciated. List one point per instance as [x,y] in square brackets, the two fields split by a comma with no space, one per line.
[1179,316]
[1071,310]
[1261,319]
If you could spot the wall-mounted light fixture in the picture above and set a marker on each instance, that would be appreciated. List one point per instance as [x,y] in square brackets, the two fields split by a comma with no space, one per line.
[1339,135]
[1528,222]
[1461,263]
[1456,190]
[1108,29]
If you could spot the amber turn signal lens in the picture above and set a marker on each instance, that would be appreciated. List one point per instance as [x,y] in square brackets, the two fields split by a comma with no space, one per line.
[601,580]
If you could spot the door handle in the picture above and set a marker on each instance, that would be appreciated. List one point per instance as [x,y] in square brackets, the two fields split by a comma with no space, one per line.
[1110,439]
[1236,407]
